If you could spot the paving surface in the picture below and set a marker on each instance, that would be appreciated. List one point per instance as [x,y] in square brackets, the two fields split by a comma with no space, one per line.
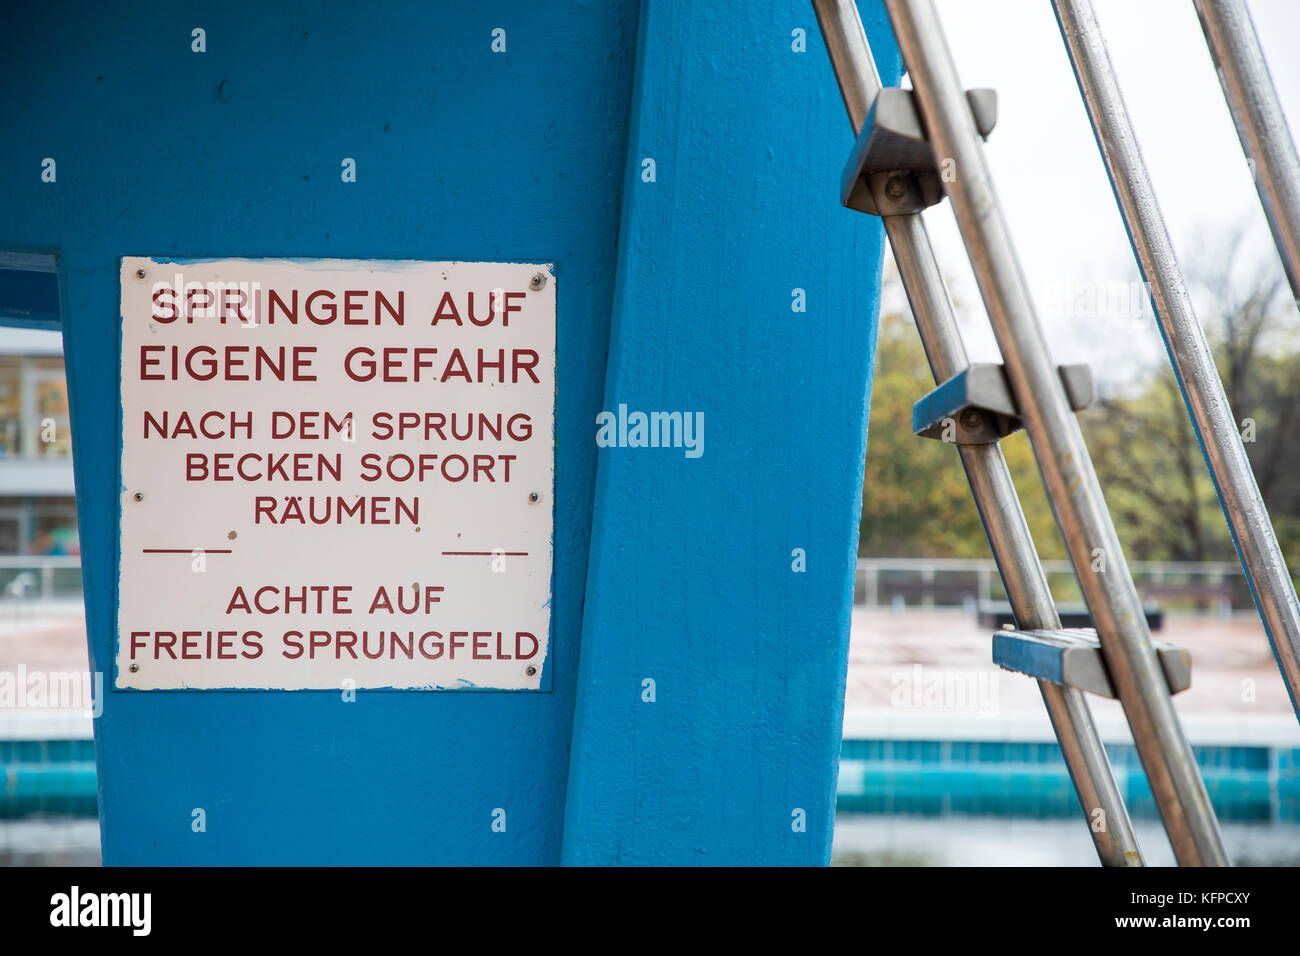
[931,666]
[51,639]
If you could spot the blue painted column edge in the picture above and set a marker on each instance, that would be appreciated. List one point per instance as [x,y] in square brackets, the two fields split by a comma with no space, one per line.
[715,634]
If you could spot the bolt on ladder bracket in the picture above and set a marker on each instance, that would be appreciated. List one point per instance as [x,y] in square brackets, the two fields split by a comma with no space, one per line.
[893,170]
[975,406]
[1072,657]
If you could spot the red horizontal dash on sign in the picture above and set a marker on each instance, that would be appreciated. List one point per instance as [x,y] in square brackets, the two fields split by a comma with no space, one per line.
[488,554]
[185,550]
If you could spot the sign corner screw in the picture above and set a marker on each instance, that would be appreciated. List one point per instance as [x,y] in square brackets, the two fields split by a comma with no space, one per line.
[538,282]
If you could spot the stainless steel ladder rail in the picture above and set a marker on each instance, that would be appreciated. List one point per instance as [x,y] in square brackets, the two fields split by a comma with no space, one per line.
[1261,124]
[1063,458]
[1043,401]
[1189,353]
[986,469]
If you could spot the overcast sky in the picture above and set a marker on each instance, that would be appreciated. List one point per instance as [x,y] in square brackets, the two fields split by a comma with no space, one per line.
[1049,175]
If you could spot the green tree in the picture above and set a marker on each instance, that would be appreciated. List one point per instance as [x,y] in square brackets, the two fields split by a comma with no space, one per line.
[1157,484]
[916,501]
[1154,477]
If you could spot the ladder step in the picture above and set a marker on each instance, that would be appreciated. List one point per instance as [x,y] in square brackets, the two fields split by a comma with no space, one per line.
[975,406]
[891,146]
[998,616]
[1072,657]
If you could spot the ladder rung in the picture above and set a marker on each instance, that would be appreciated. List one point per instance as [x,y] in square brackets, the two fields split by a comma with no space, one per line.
[978,403]
[997,616]
[891,145]
[1072,657]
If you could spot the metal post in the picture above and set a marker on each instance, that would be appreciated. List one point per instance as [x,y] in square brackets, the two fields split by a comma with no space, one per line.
[1058,443]
[986,469]
[1261,124]
[1266,569]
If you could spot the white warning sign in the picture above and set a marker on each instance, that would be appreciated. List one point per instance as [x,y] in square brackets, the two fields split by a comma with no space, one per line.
[335,474]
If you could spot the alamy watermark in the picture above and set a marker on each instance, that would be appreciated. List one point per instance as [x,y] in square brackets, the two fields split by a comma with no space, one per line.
[1110,301]
[227,302]
[37,690]
[930,688]
[626,429]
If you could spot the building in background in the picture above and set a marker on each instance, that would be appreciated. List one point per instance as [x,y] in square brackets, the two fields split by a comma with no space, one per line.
[38,513]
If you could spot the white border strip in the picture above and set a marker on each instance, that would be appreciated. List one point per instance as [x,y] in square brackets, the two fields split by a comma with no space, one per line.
[31,724]
[1274,730]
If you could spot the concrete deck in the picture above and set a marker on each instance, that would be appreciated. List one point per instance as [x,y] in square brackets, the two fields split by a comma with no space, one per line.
[929,674]
[919,674]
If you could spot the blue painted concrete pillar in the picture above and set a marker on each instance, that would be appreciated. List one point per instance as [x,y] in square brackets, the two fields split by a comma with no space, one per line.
[461,153]
[715,637]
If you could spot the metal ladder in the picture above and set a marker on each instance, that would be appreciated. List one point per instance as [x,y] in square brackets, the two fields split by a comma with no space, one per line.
[912,148]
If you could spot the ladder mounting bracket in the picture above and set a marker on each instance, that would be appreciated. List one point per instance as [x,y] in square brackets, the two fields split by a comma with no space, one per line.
[893,170]
[1073,658]
[975,406]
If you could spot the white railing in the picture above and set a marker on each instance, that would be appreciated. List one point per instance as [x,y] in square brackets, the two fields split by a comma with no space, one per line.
[932,582]
[25,577]
[1204,586]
